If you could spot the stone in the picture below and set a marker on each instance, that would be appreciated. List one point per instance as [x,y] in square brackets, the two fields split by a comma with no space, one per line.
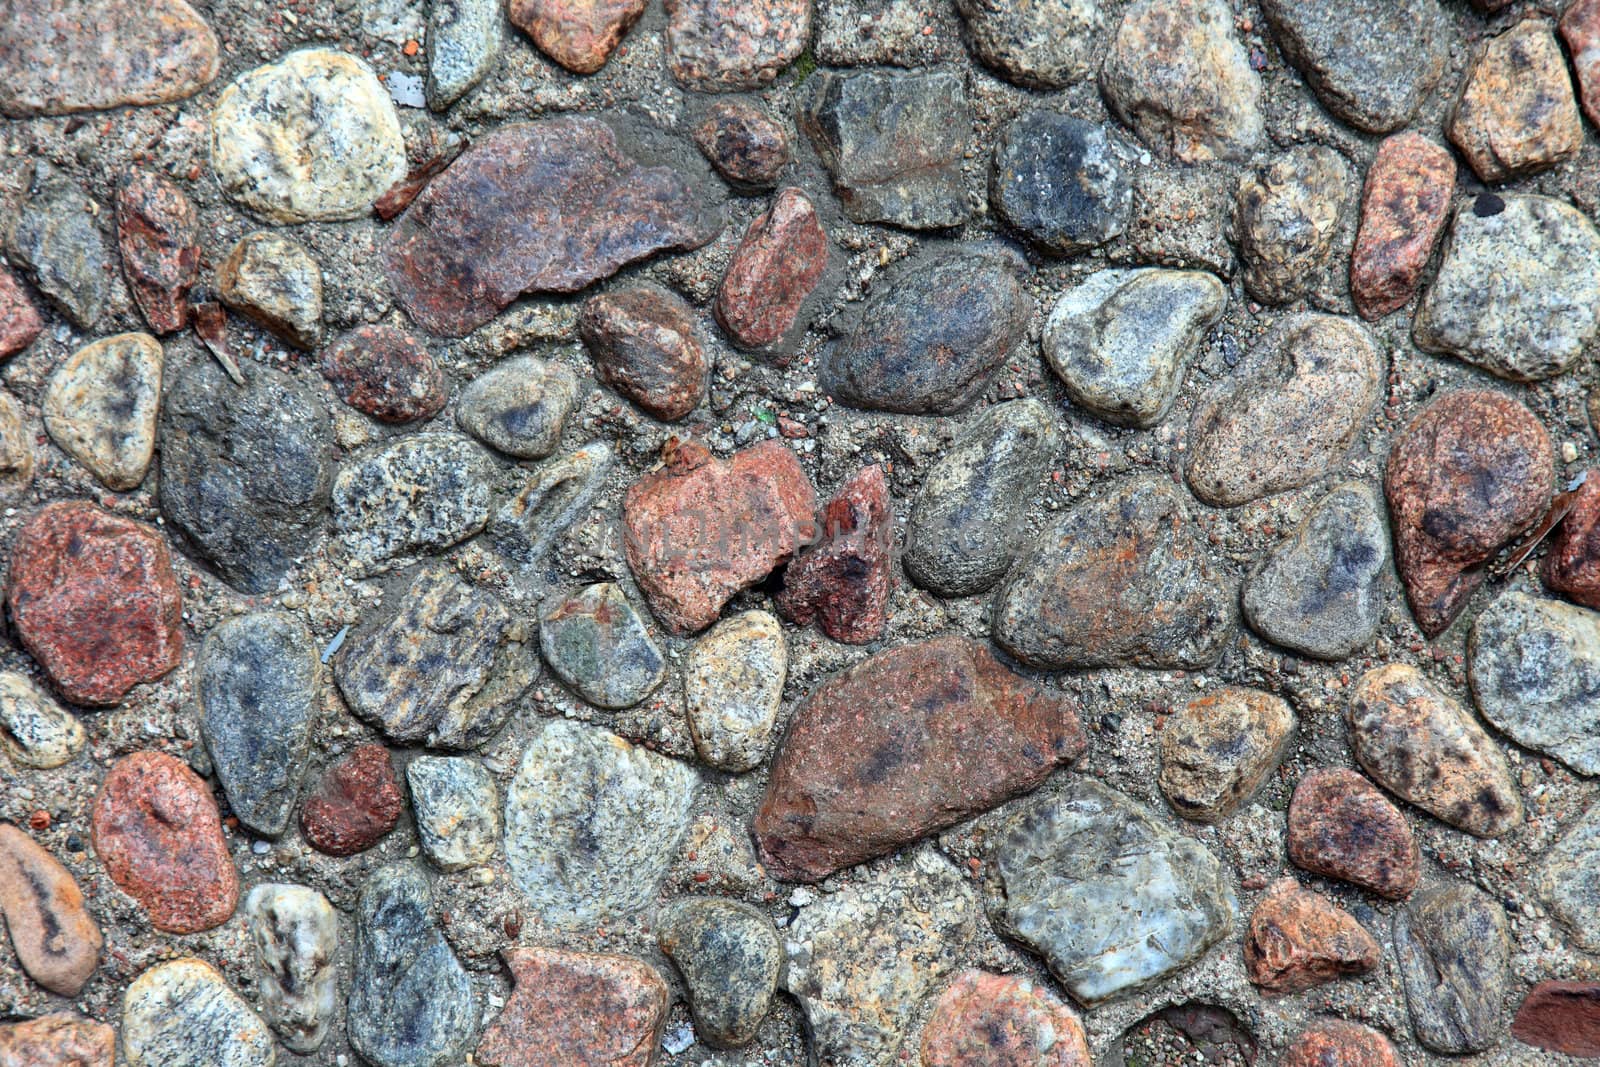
[519,406]
[295,932]
[457,809]
[931,340]
[595,642]
[94,599]
[1570,564]
[1111,897]
[100,407]
[1404,205]
[1580,28]
[273,281]
[773,273]
[16,449]
[556,495]
[1119,580]
[1059,182]
[385,372]
[1340,826]
[843,579]
[19,319]
[410,1003]
[1177,76]
[402,497]
[577,1009]
[893,144]
[1516,114]
[860,961]
[1122,340]
[60,1039]
[310,137]
[1290,416]
[578,34]
[443,667]
[702,529]
[1518,289]
[1337,1043]
[158,235]
[1288,215]
[1562,1017]
[55,938]
[1567,881]
[54,238]
[35,731]
[1002,1020]
[1370,62]
[646,345]
[183,1013]
[718,46]
[1041,44]
[1452,949]
[1469,474]
[745,146]
[159,837]
[732,688]
[1182,218]
[905,743]
[1320,591]
[592,823]
[256,684]
[730,958]
[463,45]
[1219,748]
[1298,940]
[354,804]
[463,250]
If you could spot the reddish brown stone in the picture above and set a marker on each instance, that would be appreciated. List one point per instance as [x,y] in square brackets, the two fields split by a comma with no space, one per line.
[1403,211]
[1299,939]
[546,206]
[578,34]
[747,148]
[1572,565]
[357,801]
[19,319]
[701,529]
[94,599]
[773,272]
[1340,826]
[843,580]
[995,1020]
[59,1040]
[717,46]
[1336,1043]
[577,1009]
[55,937]
[157,832]
[1469,474]
[902,744]
[157,231]
[1561,1017]
[646,346]
[1516,114]
[386,373]
[1580,28]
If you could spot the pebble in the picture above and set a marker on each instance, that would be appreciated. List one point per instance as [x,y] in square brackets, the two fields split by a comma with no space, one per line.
[1298,940]
[515,214]
[1177,76]
[745,146]
[1002,1020]
[19,319]
[457,810]
[1288,215]
[385,372]
[1561,1017]
[17,446]
[256,684]
[593,823]
[1122,340]
[463,46]
[1040,44]
[158,235]
[94,599]
[295,932]
[1404,206]
[1059,182]
[1580,28]
[730,958]
[1571,566]
[100,407]
[35,731]
[578,34]
[1119,580]
[844,578]
[410,1002]
[1518,290]
[1340,826]
[1469,474]
[273,281]
[55,938]
[1219,749]
[354,804]
[1337,1043]
[590,1009]
[1110,896]
[718,46]
[409,495]
[1452,950]
[774,272]
[1516,114]
[311,137]
[597,644]
[556,495]
[732,688]
[1568,880]
[53,237]
[930,340]
[60,1039]
[903,744]
[183,1013]
[646,345]
[893,143]
[519,406]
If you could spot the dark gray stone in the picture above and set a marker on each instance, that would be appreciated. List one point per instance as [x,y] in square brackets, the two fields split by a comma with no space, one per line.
[519,406]
[420,492]
[730,957]
[596,643]
[55,240]
[1059,181]
[1453,951]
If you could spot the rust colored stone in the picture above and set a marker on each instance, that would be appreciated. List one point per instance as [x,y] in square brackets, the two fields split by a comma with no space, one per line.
[1572,565]
[844,579]
[52,931]
[357,801]
[1299,939]
[578,34]
[1342,827]
[385,372]
[19,319]
[902,744]
[747,148]
[773,272]
[1336,1043]
[1561,1017]
[94,599]
[158,233]
[1002,1020]
[646,346]
[1580,28]
[1403,211]
[1516,114]
[719,46]
[59,1040]
[157,832]
[577,1009]
[1467,476]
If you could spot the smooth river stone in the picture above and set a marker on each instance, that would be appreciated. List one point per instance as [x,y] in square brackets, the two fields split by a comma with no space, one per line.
[184,1014]
[55,937]
[101,406]
[730,958]
[1453,950]
[296,936]
[732,689]
[35,731]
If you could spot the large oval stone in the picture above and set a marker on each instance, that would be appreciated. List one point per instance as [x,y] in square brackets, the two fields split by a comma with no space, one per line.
[1452,949]
[295,932]
[55,938]
[101,406]
[730,957]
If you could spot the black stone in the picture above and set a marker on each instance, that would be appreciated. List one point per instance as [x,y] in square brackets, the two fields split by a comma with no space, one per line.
[1059,182]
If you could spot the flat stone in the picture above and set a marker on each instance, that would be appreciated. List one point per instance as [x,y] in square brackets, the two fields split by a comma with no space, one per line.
[1042,44]
[1060,182]
[184,1014]
[1119,580]
[1568,881]
[1580,28]
[1562,1017]
[55,938]
[1337,1043]
[1452,949]
[158,235]
[1404,206]
[385,372]
[35,731]
[557,494]
[295,932]
[463,250]
[905,743]
[1516,114]
[519,406]
[732,688]
[1111,897]
[730,958]
[1571,565]
[100,407]
[354,804]
[273,281]
[1219,748]
[457,809]
[578,34]
[1288,215]
[595,642]
[745,146]
[463,45]
[718,46]
[19,319]
[588,1009]
[60,1039]
[1002,1020]
[55,240]
[410,495]
[17,446]
[773,273]
[843,579]
[1340,826]
[310,137]
[646,345]
[1298,940]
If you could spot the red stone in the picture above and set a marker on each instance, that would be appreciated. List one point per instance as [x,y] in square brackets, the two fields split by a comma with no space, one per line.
[747,148]
[52,931]
[844,579]
[1580,28]
[1561,1017]
[94,599]
[646,346]
[1572,565]
[19,319]
[718,46]
[701,529]
[158,233]
[1299,939]
[357,801]
[1336,1043]
[1403,211]
[386,373]
[1340,826]
[157,832]
[578,34]
[902,744]
[773,272]
[59,1040]
[1002,1020]
[577,1009]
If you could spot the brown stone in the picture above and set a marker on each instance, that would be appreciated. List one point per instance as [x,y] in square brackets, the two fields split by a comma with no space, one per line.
[1580,28]
[1468,475]
[902,744]
[645,345]
[1002,1020]
[59,1040]
[773,272]
[385,372]
[157,832]
[1340,826]
[94,599]
[1299,939]
[843,580]
[1571,567]
[357,801]
[718,46]
[1561,1017]
[747,148]
[1516,114]
[1219,748]
[1336,1043]
[19,319]
[577,1009]
[578,34]
[1403,211]
[157,231]
[52,931]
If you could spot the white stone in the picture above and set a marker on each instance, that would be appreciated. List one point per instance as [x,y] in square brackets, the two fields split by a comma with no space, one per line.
[35,731]
[732,687]
[184,1014]
[296,935]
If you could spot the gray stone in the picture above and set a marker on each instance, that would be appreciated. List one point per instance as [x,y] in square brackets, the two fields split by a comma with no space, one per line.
[597,644]
[1219,748]
[16,449]
[295,932]
[54,239]
[35,731]
[416,493]
[1182,217]
[519,406]
[183,1014]
[730,958]
[464,40]
[1059,181]
[732,689]
[100,407]
[557,494]
[457,809]
[1453,951]
[1288,216]
[1043,44]
[1568,880]
[273,281]
[1109,895]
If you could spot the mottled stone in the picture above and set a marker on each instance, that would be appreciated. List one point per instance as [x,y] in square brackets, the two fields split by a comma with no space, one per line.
[732,688]
[274,282]
[730,958]
[773,273]
[646,345]
[1042,44]
[519,406]
[1571,565]
[20,322]
[595,642]
[408,496]
[1580,28]
[354,804]
[158,235]
[100,407]
[1219,748]
[577,1009]
[1298,940]
[457,809]
[746,147]
[184,1014]
[35,731]
[1337,1043]
[1516,114]
[1059,181]
[385,372]
[1340,826]
[578,34]
[1562,1017]
[1002,1020]
[1288,215]
[1568,880]
[1403,209]
[843,579]
[718,46]
[557,494]
[1452,949]
[464,42]
[54,238]
[57,1040]
[17,445]
[55,938]
[295,932]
